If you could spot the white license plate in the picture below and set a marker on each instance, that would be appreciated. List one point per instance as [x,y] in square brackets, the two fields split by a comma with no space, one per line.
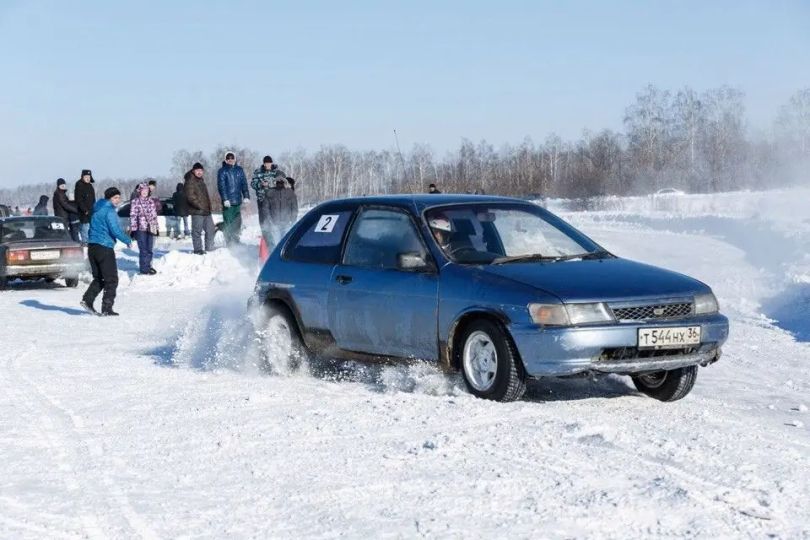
[668,338]
[44,255]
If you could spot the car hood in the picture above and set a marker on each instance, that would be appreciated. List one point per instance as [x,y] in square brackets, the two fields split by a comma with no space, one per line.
[599,280]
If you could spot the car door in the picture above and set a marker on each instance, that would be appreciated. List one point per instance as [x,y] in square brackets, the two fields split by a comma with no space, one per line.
[381,299]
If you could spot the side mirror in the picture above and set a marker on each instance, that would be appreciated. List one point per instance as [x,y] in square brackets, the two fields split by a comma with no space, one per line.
[412,261]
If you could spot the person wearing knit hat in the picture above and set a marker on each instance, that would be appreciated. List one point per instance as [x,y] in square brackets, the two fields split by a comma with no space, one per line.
[199,207]
[85,196]
[233,190]
[65,209]
[264,179]
[104,231]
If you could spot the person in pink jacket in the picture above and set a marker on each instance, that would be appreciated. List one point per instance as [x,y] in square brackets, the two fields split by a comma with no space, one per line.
[143,226]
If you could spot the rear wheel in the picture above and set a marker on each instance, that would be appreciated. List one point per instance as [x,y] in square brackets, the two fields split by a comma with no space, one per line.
[490,363]
[3,282]
[669,385]
[71,282]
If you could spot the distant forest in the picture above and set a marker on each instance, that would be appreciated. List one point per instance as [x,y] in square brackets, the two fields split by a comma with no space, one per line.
[696,142]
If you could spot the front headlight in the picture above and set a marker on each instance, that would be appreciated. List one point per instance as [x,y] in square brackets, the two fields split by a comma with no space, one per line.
[706,304]
[569,314]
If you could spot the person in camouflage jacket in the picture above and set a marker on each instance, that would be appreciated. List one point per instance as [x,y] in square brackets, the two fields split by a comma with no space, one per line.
[263,182]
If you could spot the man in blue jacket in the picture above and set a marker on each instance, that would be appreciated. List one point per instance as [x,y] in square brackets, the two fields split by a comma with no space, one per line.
[233,190]
[104,231]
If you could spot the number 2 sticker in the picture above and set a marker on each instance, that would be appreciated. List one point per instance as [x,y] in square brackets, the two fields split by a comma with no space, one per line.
[326,223]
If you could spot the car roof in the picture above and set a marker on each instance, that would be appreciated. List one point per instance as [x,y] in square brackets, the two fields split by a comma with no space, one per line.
[422,200]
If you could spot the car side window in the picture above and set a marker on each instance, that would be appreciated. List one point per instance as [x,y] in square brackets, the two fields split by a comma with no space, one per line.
[379,237]
[319,240]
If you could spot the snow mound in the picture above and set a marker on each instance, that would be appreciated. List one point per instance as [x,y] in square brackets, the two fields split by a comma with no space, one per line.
[185,270]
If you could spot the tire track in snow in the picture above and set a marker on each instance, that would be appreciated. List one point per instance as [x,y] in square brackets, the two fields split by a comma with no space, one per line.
[62,424]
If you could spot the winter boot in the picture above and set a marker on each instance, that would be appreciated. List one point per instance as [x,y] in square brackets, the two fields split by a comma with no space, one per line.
[88,308]
[108,312]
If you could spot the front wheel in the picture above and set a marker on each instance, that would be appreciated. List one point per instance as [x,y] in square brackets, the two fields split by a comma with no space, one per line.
[490,363]
[71,282]
[669,385]
[282,347]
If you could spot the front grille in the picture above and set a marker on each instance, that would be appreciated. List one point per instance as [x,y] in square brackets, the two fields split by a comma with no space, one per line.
[653,312]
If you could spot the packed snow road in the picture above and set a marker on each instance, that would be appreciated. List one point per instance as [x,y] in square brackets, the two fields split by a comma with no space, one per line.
[159,424]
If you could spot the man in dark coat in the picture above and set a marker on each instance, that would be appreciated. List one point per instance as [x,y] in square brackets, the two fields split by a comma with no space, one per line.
[433,189]
[282,210]
[85,196]
[41,209]
[199,207]
[65,209]
[233,190]
[180,203]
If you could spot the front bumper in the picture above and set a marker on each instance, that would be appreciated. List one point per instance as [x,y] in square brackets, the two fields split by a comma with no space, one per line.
[613,348]
[72,269]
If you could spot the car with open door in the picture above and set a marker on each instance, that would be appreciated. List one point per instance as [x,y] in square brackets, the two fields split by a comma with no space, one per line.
[497,288]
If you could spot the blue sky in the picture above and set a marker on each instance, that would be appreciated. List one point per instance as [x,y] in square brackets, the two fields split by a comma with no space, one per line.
[118,87]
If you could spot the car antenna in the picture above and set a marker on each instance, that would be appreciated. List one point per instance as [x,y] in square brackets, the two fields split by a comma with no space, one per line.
[401,159]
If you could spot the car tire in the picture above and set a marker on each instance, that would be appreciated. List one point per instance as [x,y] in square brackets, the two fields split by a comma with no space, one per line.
[3,283]
[71,282]
[669,385]
[283,350]
[490,363]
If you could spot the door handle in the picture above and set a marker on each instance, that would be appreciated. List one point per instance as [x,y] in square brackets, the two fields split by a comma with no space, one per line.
[343,280]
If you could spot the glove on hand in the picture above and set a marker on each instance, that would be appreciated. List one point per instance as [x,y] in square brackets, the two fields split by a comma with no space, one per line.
[226,204]
[246,200]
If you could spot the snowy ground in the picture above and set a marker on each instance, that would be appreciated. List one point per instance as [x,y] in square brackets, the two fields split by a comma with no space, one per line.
[158,424]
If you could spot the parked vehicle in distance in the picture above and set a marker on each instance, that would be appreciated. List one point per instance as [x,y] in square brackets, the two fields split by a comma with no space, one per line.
[497,288]
[38,247]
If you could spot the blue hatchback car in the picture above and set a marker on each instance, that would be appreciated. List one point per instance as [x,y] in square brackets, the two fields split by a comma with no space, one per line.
[497,288]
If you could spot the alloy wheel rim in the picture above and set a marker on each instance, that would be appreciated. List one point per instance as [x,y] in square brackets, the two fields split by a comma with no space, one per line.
[278,338]
[480,361]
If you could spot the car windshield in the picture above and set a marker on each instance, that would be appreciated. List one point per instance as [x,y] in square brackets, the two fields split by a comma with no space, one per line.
[502,234]
[33,229]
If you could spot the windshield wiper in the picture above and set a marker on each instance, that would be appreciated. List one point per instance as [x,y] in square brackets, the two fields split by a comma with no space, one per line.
[601,254]
[524,258]
[554,258]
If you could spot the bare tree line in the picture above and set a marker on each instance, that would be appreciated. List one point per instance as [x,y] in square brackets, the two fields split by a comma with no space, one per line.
[698,142]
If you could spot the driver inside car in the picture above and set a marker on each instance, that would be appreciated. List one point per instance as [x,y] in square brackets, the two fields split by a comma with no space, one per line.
[441,227]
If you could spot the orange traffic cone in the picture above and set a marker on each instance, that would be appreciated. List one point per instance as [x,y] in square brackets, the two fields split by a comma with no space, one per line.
[264,253]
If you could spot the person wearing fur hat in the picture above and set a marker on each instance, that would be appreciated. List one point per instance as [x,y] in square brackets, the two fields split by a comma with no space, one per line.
[233,190]
[85,196]
[143,225]
[104,231]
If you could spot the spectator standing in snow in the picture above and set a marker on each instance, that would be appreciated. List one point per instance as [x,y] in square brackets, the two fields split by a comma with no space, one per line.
[433,189]
[152,190]
[233,190]
[63,208]
[263,181]
[16,211]
[143,225]
[199,207]
[85,196]
[282,210]
[41,209]
[103,232]
[181,212]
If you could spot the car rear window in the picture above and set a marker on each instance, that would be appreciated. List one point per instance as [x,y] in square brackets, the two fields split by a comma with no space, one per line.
[33,229]
[320,238]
